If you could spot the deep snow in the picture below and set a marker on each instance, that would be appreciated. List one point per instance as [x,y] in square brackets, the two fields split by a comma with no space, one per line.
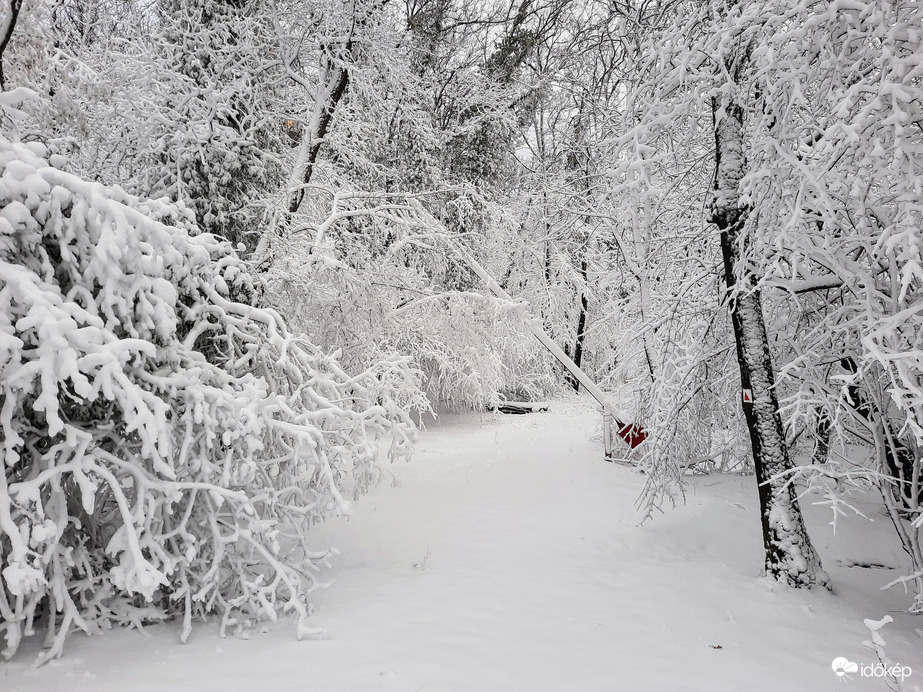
[510,557]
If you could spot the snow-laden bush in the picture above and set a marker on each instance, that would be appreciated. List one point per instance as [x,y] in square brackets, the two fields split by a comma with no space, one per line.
[473,349]
[166,443]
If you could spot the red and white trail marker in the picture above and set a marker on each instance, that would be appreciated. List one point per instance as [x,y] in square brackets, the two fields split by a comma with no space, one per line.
[748,396]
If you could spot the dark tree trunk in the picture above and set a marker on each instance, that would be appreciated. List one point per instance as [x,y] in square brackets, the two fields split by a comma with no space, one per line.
[581,325]
[899,459]
[330,93]
[790,557]
[14,7]
[822,439]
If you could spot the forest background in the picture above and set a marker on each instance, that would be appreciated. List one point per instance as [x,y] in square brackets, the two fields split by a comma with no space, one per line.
[234,261]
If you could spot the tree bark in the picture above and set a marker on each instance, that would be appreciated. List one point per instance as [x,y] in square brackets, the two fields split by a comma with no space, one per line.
[330,91]
[331,88]
[6,32]
[581,323]
[790,556]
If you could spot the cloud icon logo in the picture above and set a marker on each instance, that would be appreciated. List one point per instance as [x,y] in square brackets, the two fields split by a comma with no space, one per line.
[841,666]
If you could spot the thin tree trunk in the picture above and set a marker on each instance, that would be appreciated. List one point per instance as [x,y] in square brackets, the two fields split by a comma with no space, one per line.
[331,89]
[822,439]
[330,92]
[897,459]
[641,248]
[790,556]
[581,323]
[6,32]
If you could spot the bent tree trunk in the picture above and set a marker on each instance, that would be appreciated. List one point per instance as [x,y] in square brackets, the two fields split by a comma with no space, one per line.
[790,557]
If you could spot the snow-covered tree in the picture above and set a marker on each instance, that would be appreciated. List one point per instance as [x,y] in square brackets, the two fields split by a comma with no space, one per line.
[167,443]
[836,165]
[215,137]
[353,262]
[700,67]
[815,133]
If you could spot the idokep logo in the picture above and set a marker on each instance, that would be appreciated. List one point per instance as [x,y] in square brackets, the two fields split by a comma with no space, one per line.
[843,666]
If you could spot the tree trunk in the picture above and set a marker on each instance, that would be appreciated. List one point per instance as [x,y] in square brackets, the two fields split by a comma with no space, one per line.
[581,324]
[331,88]
[330,91]
[6,32]
[790,557]
[897,459]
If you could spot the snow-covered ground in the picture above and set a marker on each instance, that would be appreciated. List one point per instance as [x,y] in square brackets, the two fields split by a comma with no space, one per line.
[510,558]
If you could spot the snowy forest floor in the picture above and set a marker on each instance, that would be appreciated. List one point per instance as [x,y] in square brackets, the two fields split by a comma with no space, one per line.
[510,557]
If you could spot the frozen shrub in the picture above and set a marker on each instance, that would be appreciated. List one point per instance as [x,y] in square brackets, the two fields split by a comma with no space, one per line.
[166,442]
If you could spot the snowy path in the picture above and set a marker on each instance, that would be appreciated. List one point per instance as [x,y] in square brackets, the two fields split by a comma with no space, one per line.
[509,558]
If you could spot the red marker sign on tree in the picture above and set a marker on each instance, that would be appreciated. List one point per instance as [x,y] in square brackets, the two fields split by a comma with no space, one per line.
[748,396]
